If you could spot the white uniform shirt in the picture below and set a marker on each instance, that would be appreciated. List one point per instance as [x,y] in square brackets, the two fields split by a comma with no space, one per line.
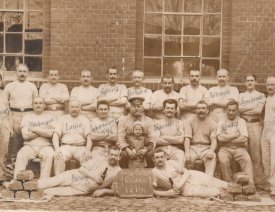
[48,91]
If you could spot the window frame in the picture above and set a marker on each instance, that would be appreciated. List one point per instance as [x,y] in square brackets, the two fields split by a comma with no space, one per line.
[201,58]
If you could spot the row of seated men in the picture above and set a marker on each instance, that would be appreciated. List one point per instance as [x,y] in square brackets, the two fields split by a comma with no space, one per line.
[200,138]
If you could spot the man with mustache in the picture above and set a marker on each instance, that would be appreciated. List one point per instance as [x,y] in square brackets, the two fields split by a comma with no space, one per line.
[170,133]
[200,138]
[172,180]
[95,176]
[251,107]
[190,95]
[218,96]
[138,90]
[86,94]
[55,94]
[115,94]
[268,135]
[37,130]
[125,130]
[103,130]
[158,97]
[232,136]
[20,94]
[71,138]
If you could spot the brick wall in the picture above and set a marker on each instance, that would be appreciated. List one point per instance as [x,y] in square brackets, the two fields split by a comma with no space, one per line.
[93,34]
[252,39]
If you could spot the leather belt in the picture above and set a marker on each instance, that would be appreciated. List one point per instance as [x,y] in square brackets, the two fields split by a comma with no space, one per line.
[252,120]
[13,109]
[54,108]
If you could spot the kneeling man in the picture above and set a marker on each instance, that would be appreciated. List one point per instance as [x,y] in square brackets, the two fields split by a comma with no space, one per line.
[171,180]
[95,176]
[37,129]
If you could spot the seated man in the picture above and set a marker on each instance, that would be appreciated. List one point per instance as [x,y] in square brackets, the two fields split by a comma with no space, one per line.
[73,131]
[103,130]
[125,130]
[170,132]
[232,136]
[171,180]
[200,138]
[96,175]
[37,130]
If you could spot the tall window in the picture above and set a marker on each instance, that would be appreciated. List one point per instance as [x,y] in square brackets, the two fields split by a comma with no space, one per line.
[21,38]
[182,34]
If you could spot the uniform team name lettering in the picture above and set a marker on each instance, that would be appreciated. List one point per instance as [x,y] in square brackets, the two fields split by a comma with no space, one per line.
[231,125]
[41,123]
[219,94]
[103,125]
[162,126]
[136,92]
[5,112]
[251,100]
[73,126]
[104,91]
[76,178]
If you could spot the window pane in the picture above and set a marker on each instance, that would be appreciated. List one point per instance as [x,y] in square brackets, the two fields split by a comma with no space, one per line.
[14,4]
[191,46]
[173,24]
[14,43]
[212,6]
[153,5]
[192,6]
[1,43]
[2,21]
[14,22]
[211,47]
[172,66]
[34,4]
[152,45]
[191,25]
[153,24]
[152,67]
[209,68]
[211,24]
[172,46]
[2,66]
[34,63]
[33,43]
[173,5]
[34,22]
[10,62]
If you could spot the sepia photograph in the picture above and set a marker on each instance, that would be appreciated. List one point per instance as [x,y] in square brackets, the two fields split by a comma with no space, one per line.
[137,105]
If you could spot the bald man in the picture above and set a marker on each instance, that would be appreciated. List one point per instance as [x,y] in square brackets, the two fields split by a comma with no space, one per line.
[86,94]
[37,130]
[268,135]
[73,132]
[218,96]
[55,94]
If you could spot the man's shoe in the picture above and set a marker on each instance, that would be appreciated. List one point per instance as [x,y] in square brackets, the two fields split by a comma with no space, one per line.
[265,188]
[234,188]
[241,178]
[249,189]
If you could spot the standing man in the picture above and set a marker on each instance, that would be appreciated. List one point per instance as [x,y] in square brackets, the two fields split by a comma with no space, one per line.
[37,130]
[251,107]
[86,94]
[170,133]
[55,94]
[232,136]
[115,94]
[72,131]
[138,90]
[20,94]
[158,97]
[268,135]
[218,96]
[200,138]
[190,95]
[5,131]
[89,178]
[125,130]
[103,130]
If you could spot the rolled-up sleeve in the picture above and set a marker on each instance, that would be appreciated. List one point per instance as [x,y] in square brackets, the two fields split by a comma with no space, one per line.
[122,133]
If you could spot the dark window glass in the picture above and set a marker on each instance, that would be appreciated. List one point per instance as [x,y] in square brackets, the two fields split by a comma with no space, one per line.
[172,46]
[13,43]
[152,24]
[152,67]
[209,68]
[173,5]
[211,24]
[33,44]
[152,45]
[191,25]
[212,6]
[192,6]
[191,46]
[173,24]
[34,63]
[153,5]
[211,47]
[13,22]
[1,43]
[34,22]
[11,62]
